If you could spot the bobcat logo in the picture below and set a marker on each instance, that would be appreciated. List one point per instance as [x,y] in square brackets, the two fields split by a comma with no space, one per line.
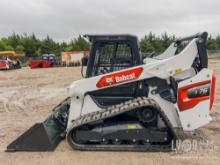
[109,80]
[123,78]
[119,77]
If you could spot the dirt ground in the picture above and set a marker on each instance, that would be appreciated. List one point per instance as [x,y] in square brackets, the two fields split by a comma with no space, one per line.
[26,96]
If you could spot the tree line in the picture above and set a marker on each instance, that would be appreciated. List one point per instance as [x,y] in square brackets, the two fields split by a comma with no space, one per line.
[154,43]
[34,46]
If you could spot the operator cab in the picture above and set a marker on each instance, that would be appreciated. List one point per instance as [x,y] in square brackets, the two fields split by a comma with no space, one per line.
[111,53]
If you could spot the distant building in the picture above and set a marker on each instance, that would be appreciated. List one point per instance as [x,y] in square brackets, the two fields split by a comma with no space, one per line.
[73,56]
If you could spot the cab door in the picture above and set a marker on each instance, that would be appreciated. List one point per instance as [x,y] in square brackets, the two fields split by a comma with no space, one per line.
[110,57]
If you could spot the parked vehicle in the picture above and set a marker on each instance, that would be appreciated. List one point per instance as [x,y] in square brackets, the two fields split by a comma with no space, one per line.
[46,61]
[10,60]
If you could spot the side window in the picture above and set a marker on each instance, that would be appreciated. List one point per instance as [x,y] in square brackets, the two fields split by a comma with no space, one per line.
[123,52]
[111,57]
[103,57]
[106,54]
[123,57]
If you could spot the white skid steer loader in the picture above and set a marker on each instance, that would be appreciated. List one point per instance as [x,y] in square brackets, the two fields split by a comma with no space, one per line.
[129,103]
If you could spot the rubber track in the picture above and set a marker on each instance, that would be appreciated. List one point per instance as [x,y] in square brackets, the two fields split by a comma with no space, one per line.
[115,110]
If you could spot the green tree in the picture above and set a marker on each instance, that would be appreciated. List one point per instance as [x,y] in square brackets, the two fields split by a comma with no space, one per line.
[31,44]
[69,48]
[2,45]
[13,40]
[9,47]
[19,48]
[78,44]
[146,45]
[49,46]
[152,43]
[212,44]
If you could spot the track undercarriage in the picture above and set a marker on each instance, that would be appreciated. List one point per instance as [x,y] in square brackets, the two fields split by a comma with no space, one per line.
[118,128]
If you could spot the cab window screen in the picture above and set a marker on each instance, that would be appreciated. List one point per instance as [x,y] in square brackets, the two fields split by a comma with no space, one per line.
[123,51]
[111,57]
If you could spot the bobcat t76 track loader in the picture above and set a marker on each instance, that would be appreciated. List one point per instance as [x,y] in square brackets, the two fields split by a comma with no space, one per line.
[129,103]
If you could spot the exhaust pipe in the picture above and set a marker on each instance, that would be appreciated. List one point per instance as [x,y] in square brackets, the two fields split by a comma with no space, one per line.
[44,136]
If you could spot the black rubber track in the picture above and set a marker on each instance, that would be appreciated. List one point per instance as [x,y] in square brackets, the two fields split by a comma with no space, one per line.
[115,110]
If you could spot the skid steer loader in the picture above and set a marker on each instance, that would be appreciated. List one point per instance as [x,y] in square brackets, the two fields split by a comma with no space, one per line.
[129,103]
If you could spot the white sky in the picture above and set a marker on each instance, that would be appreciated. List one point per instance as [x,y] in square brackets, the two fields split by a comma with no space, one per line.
[65,19]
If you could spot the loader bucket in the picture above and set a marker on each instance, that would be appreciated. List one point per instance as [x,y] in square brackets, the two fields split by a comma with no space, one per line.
[44,136]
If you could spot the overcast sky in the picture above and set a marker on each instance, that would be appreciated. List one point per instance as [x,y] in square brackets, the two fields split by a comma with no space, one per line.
[64,19]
